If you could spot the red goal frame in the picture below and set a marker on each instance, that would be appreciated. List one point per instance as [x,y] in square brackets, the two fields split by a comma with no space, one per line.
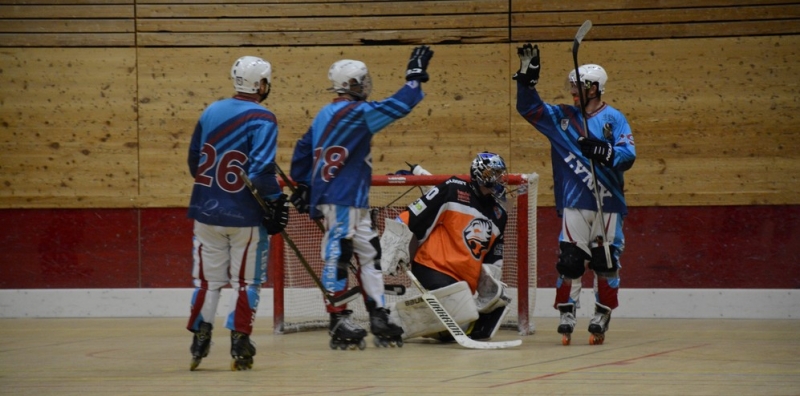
[522,204]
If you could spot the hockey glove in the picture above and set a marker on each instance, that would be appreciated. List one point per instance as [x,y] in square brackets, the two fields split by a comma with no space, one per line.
[277,216]
[598,150]
[529,65]
[301,198]
[417,170]
[418,64]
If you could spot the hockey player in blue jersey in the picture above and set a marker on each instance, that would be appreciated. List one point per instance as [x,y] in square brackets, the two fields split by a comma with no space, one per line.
[609,144]
[332,166]
[231,230]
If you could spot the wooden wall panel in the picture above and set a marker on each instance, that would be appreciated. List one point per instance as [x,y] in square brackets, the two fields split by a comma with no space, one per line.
[109,127]
[321,23]
[712,118]
[653,19]
[465,110]
[68,129]
[71,23]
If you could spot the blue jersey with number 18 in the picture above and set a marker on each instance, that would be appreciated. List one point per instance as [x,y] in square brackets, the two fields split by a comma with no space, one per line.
[232,135]
[334,156]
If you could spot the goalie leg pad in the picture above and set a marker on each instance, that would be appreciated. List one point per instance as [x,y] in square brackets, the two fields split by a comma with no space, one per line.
[417,319]
[488,323]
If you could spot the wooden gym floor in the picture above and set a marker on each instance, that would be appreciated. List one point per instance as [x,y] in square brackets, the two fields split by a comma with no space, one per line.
[640,357]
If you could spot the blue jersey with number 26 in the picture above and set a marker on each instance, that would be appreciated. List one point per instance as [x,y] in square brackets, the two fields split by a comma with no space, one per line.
[232,135]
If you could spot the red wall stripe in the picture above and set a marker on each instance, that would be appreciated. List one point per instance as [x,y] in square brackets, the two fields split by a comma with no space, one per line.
[743,247]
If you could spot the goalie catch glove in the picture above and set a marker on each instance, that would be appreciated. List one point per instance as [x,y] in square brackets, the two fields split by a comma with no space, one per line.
[277,216]
[301,198]
[598,150]
[394,246]
[529,65]
[418,64]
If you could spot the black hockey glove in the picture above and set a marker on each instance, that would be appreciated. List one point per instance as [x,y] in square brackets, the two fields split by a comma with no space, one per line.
[277,216]
[529,65]
[598,150]
[418,64]
[301,198]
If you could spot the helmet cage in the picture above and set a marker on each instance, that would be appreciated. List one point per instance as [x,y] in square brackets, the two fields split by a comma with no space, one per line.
[489,170]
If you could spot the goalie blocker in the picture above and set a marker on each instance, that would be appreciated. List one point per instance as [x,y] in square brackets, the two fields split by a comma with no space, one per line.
[480,316]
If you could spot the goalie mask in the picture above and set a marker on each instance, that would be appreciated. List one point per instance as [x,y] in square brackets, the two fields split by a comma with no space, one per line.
[489,170]
[350,77]
[247,73]
[590,74]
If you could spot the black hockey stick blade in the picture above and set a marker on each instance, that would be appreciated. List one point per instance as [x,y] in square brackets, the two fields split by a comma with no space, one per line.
[350,295]
[346,297]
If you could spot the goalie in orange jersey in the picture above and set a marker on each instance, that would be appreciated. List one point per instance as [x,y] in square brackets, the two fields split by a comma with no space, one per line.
[456,231]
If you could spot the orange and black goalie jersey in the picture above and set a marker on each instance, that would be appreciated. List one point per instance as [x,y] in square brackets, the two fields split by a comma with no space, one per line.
[457,229]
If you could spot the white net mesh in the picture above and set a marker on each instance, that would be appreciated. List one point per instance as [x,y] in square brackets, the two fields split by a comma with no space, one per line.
[299,304]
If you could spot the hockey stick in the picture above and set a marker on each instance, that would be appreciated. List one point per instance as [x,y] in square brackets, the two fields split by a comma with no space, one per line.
[291,186]
[337,301]
[584,29]
[401,196]
[451,325]
[389,289]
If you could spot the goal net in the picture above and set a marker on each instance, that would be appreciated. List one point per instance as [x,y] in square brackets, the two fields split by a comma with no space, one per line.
[300,306]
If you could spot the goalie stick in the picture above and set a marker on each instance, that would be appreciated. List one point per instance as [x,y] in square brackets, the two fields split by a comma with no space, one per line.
[584,29]
[452,327]
[337,301]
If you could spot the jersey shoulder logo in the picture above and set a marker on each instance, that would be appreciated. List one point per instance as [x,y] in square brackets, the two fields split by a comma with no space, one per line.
[477,235]
[417,207]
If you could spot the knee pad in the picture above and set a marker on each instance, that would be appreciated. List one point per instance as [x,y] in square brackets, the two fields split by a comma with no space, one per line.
[345,255]
[571,260]
[598,260]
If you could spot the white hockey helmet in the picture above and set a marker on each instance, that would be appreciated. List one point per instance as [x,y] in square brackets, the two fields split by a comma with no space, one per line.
[247,73]
[590,74]
[350,77]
